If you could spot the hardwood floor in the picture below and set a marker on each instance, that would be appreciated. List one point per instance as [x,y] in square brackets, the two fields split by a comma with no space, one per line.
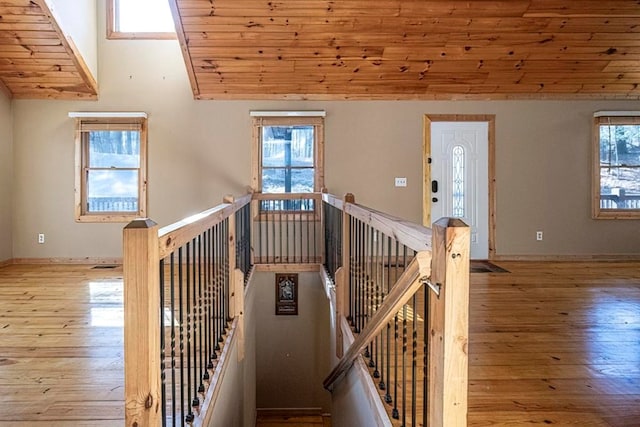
[555,344]
[61,346]
[550,344]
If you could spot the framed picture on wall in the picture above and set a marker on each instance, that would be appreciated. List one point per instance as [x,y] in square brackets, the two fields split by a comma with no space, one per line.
[286,294]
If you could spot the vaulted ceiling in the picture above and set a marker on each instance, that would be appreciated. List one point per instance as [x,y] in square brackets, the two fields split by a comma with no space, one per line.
[37,59]
[359,49]
[410,49]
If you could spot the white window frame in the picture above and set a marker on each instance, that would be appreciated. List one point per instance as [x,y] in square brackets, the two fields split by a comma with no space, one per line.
[101,121]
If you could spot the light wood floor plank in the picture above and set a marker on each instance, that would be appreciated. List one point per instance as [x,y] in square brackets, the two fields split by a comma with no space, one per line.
[550,344]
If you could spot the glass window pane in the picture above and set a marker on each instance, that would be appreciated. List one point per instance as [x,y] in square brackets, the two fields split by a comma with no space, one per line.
[114,149]
[151,16]
[458,174]
[112,191]
[273,152]
[287,180]
[619,188]
[287,146]
[302,180]
[273,180]
[619,145]
[302,146]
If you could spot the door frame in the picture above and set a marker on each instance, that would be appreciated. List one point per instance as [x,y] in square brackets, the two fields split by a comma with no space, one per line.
[426,167]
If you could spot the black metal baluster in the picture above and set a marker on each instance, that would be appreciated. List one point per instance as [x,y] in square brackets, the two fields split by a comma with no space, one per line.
[189,416]
[216,290]
[163,388]
[172,296]
[404,365]
[352,268]
[414,363]
[207,304]
[199,359]
[195,326]
[387,396]
[181,326]
[405,343]
[381,275]
[395,413]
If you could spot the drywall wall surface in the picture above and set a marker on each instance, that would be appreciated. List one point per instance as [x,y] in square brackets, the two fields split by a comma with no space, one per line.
[200,150]
[79,21]
[6,178]
[292,352]
[353,400]
[249,396]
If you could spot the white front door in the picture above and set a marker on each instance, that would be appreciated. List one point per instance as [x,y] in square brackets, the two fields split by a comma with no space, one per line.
[460,178]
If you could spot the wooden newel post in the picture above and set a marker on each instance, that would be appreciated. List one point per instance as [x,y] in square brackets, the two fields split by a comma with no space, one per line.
[236,282]
[141,324]
[343,274]
[449,325]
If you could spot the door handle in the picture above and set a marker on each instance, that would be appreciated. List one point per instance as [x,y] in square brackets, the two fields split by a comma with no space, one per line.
[434,186]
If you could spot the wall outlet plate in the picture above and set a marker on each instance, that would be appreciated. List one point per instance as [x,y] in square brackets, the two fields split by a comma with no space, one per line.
[401,182]
[538,235]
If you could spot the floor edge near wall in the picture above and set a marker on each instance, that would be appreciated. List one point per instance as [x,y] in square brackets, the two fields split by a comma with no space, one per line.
[567,258]
[64,260]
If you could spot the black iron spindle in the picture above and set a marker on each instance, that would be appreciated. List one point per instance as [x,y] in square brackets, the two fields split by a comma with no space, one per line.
[172,296]
[189,416]
[181,326]
[163,389]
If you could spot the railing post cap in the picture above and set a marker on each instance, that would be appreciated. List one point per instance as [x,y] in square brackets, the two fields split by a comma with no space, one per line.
[450,222]
[141,223]
[349,197]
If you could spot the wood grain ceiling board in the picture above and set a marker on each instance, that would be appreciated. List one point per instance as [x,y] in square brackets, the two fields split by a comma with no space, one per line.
[37,59]
[410,49]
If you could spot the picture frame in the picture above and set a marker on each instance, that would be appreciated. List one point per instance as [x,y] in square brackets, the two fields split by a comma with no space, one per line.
[286,287]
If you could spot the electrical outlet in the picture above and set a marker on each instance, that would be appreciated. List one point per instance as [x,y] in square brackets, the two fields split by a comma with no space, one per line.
[538,235]
[401,182]
[41,238]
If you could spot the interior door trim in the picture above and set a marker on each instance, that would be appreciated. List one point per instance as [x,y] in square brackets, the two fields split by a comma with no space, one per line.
[426,167]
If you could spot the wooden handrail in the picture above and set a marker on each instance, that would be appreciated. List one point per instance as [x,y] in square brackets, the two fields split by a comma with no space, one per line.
[412,235]
[407,285]
[179,233]
[332,200]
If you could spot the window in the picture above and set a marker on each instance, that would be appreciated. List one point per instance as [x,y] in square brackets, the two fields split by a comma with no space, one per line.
[616,175]
[288,157]
[139,19]
[111,169]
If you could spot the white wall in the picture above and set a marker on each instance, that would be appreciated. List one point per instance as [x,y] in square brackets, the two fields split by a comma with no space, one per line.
[79,21]
[6,178]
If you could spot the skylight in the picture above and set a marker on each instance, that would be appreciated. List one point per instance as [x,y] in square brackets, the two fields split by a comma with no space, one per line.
[143,16]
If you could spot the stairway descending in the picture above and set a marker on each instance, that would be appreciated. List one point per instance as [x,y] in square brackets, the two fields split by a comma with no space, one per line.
[288,420]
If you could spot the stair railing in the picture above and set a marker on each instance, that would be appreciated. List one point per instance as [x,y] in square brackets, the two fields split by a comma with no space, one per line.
[183,303]
[403,290]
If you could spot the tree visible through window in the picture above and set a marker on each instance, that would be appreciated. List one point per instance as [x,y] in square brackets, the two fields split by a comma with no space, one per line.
[111,170]
[617,167]
[288,155]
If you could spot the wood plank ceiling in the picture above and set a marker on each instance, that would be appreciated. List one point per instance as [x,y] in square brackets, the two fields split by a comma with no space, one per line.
[410,49]
[37,60]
